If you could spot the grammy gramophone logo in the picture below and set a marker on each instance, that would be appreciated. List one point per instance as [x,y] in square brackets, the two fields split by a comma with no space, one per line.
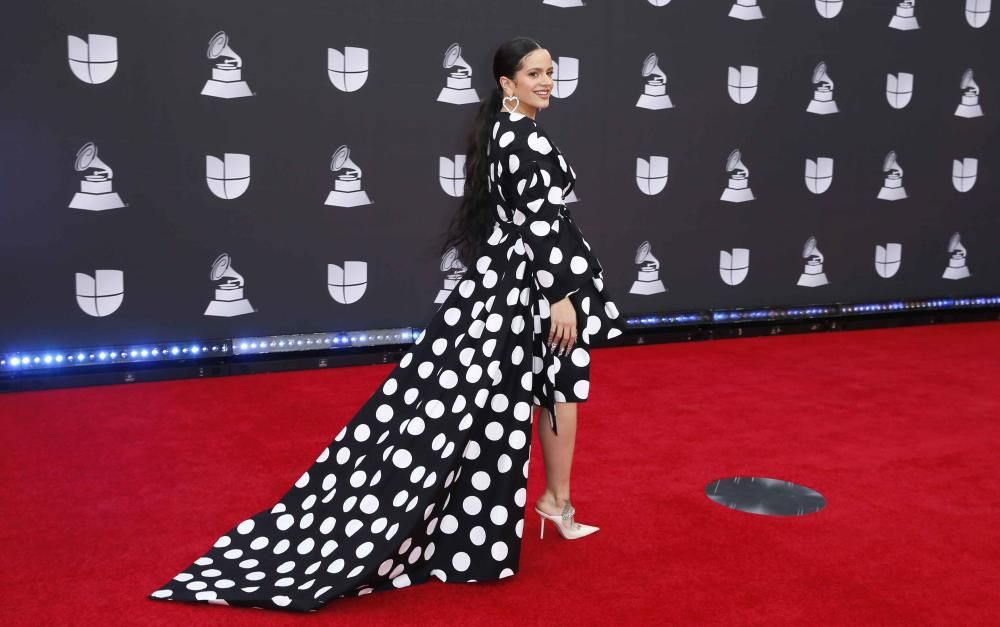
[347,190]
[101,294]
[564,4]
[905,17]
[734,265]
[648,281]
[888,258]
[742,83]
[819,174]
[829,8]
[348,70]
[822,102]
[458,88]
[977,12]
[95,59]
[651,175]
[654,92]
[451,175]
[347,284]
[892,186]
[957,257]
[812,272]
[229,176]
[899,89]
[454,270]
[565,76]
[969,107]
[963,173]
[738,187]
[229,300]
[746,10]
[95,192]
[227,73]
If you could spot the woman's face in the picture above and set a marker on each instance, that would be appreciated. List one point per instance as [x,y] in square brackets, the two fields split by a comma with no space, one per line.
[532,84]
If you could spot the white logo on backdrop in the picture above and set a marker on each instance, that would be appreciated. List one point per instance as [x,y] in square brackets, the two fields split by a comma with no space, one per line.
[819,174]
[227,73]
[905,17]
[742,83]
[651,176]
[812,273]
[229,300]
[102,294]
[228,177]
[969,107]
[956,259]
[451,175]
[347,190]
[746,10]
[348,70]
[734,265]
[95,60]
[888,258]
[829,8]
[738,188]
[654,92]
[899,89]
[458,89]
[347,284]
[648,281]
[977,12]
[95,192]
[455,269]
[563,4]
[565,76]
[892,186]
[659,3]
[963,173]
[822,102]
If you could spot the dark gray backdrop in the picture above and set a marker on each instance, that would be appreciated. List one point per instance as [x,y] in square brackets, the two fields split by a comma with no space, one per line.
[154,129]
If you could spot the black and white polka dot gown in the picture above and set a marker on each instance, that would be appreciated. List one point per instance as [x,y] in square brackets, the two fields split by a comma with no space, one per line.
[429,478]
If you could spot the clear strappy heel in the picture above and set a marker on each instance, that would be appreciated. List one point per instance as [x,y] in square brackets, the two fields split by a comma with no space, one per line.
[567,527]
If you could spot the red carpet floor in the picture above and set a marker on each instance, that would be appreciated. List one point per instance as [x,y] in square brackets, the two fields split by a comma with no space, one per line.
[109,491]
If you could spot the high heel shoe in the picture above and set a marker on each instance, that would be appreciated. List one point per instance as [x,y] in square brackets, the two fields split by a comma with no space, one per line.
[567,527]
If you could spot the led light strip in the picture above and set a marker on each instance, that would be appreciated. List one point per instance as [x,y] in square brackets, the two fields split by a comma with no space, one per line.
[176,351]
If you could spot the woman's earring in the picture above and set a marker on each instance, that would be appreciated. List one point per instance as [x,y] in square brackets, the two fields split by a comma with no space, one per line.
[516,100]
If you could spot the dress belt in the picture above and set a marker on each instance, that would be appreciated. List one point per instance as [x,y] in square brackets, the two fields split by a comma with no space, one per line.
[547,395]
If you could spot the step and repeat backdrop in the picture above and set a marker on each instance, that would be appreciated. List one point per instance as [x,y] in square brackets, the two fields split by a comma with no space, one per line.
[184,170]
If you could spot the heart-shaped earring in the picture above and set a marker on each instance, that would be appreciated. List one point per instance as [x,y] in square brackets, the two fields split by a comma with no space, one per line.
[516,100]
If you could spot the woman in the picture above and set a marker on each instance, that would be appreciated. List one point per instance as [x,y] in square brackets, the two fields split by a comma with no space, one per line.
[429,477]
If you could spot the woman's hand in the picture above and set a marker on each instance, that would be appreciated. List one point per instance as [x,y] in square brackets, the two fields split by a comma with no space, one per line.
[562,327]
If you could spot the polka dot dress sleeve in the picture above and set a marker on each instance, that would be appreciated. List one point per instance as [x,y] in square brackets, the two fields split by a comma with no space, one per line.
[538,176]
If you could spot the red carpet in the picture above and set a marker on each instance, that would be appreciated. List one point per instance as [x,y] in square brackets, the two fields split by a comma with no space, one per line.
[109,491]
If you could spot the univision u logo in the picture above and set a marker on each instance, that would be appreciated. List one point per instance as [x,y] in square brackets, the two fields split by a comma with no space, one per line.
[348,70]
[102,294]
[228,177]
[95,60]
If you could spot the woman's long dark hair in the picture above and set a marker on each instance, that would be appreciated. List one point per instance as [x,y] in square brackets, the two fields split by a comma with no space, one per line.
[471,224]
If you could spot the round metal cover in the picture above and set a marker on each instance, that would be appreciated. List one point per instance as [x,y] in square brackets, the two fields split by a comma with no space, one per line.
[766,496]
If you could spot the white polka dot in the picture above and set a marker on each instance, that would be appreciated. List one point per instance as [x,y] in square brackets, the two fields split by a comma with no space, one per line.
[369,504]
[461,561]
[328,481]
[352,527]
[305,546]
[448,379]
[303,480]
[449,524]
[281,599]
[513,163]
[505,139]
[246,526]
[580,357]
[494,431]
[481,480]
[197,585]
[504,463]
[259,543]
[364,549]
[305,521]
[281,546]
[472,450]
[379,524]
[499,403]
[362,432]
[224,541]
[255,576]
[581,388]
[516,439]
[383,414]
[452,316]
[434,409]
[499,551]
[336,566]
[285,521]
[402,458]
[415,426]
[225,583]
[472,505]
[540,228]
[498,514]
[233,554]
[389,387]
[477,535]
[358,478]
